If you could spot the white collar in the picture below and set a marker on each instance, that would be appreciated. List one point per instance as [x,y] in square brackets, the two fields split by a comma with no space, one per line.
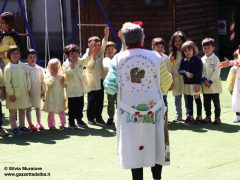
[68,62]
[14,65]
[35,67]
[211,57]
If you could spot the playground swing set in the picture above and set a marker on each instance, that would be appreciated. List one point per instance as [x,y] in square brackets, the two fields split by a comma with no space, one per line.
[30,39]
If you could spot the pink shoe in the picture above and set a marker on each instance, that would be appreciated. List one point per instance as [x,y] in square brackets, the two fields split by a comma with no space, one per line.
[40,127]
[32,127]
[61,127]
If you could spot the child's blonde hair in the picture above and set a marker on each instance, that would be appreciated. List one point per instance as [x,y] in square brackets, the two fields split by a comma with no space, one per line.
[54,63]
[189,45]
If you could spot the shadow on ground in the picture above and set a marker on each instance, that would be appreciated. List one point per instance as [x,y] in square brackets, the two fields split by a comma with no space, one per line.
[52,136]
[201,128]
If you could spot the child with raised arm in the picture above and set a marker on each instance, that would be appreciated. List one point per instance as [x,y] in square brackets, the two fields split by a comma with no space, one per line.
[17,84]
[55,101]
[37,91]
[95,76]
[76,83]
[211,81]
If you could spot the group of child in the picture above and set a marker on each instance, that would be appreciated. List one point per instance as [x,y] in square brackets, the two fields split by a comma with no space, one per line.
[193,76]
[27,85]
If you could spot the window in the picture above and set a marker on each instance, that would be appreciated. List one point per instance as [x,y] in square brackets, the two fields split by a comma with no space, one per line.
[154,2]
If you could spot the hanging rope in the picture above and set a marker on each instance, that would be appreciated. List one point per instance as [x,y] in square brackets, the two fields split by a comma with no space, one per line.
[26,14]
[109,23]
[62,27]
[79,29]
[47,51]
[33,45]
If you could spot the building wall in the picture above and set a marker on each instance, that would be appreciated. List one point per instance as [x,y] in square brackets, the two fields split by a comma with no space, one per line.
[90,14]
[197,18]
[158,21]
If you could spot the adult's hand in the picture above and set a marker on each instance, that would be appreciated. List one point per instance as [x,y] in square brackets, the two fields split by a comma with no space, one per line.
[224,64]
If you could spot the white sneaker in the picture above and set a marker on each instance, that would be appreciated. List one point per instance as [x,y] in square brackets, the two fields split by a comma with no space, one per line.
[177,119]
[237,119]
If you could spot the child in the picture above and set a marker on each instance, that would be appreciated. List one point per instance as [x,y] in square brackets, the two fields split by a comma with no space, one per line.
[176,41]
[94,75]
[76,83]
[236,53]
[158,45]
[211,81]
[191,69]
[55,101]
[3,132]
[233,86]
[37,90]
[10,37]
[110,51]
[18,84]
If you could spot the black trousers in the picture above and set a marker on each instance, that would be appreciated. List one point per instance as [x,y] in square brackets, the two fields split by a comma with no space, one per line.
[137,174]
[95,104]
[207,98]
[190,105]
[75,109]
[1,115]
[112,100]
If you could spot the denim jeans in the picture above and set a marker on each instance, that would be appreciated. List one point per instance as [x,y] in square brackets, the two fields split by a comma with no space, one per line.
[178,105]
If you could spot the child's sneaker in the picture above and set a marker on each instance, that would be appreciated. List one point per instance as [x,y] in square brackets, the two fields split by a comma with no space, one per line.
[237,119]
[217,121]
[207,120]
[189,119]
[82,124]
[100,121]
[52,128]
[91,122]
[40,127]
[62,127]
[198,120]
[3,132]
[177,119]
[32,127]
[72,126]
[15,131]
[24,130]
